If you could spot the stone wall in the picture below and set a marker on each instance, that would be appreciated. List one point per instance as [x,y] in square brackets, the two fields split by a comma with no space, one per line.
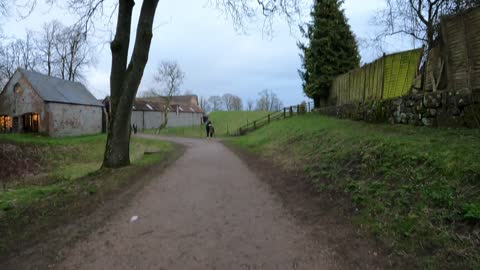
[184,119]
[73,120]
[153,119]
[439,109]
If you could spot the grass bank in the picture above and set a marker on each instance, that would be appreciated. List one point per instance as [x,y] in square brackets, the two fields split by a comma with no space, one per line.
[417,189]
[63,181]
[224,122]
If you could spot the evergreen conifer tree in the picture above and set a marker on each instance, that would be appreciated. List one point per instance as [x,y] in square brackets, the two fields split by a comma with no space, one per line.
[331,49]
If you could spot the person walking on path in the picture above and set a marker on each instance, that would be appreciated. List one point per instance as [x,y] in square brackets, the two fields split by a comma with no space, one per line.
[207,127]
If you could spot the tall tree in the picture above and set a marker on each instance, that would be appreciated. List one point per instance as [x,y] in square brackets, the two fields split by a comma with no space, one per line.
[46,43]
[331,49]
[237,103]
[250,104]
[73,52]
[228,101]
[215,103]
[125,76]
[17,54]
[29,55]
[79,52]
[204,104]
[169,77]
[269,101]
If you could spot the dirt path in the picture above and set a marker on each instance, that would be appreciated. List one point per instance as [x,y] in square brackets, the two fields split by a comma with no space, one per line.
[207,211]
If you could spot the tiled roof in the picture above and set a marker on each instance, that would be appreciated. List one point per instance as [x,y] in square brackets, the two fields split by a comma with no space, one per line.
[57,90]
[159,103]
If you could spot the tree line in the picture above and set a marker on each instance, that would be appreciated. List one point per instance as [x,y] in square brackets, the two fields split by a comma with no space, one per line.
[267,101]
[169,76]
[56,50]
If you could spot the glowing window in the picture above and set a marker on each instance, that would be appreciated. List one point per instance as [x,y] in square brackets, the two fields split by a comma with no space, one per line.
[17,88]
[6,123]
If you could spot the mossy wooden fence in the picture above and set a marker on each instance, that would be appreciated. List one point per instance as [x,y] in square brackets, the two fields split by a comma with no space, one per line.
[388,77]
[461,50]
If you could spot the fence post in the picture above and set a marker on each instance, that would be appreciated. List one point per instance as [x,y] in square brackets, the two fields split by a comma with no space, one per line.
[291,111]
[298,109]
[284,112]
[308,107]
[384,57]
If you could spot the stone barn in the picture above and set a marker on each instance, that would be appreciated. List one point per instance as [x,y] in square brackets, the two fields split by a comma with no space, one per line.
[36,103]
[184,111]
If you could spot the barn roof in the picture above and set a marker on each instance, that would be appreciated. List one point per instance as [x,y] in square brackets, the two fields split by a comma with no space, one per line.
[158,104]
[53,89]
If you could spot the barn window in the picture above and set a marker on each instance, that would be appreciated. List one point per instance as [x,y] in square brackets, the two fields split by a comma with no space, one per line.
[6,123]
[17,88]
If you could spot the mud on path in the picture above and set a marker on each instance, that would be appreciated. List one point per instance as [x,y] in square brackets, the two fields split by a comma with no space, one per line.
[206,211]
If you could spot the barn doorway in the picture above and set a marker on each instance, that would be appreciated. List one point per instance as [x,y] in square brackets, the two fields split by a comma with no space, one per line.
[15,124]
[31,122]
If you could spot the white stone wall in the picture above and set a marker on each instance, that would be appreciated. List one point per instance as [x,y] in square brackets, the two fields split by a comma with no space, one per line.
[73,120]
[137,119]
[153,119]
[184,119]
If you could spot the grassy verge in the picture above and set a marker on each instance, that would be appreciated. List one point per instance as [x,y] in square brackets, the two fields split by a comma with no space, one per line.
[71,182]
[224,123]
[417,189]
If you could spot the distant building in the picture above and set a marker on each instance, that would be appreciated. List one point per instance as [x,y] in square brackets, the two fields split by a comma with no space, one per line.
[33,102]
[148,113]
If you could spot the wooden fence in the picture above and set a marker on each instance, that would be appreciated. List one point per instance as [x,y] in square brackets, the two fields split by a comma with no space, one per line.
[287,112]
[388,77]
[461,36]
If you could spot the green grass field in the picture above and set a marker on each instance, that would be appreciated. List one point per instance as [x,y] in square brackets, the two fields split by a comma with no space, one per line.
[418,189]
[73,157]
[224,122]
[67,181]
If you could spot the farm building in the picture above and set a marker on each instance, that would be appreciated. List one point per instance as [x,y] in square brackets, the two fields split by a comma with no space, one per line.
[33,102]
[148,113]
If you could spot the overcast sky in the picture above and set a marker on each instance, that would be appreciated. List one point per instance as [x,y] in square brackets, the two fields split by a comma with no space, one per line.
[216,58]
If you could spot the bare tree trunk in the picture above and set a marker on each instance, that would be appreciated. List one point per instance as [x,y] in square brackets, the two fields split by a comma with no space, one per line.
[49,63]
[165,119]
[124,81]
